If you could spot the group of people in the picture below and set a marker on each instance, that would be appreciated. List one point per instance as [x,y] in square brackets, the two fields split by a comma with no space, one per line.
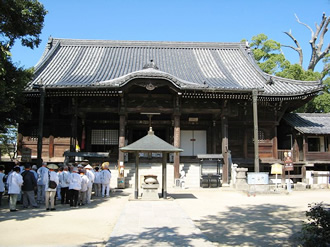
[70,184]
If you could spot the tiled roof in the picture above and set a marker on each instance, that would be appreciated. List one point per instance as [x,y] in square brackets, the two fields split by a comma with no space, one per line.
[188,65]
[309,123]
[150,143]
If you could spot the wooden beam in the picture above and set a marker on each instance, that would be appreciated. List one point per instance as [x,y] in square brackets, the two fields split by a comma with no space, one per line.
[98,109]
[200,111]
[149,109]
[149,96]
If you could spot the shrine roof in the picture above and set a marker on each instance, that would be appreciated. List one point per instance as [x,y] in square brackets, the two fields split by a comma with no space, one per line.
[150,143]
[309,123]
[69,63]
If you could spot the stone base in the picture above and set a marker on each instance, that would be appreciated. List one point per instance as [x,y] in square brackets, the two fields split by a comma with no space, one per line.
[300,186]
[319,186]
[241,185]
[150,191]
[258,188]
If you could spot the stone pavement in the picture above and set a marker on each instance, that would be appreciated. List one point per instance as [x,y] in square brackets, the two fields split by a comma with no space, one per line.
[156,223]
[196,217]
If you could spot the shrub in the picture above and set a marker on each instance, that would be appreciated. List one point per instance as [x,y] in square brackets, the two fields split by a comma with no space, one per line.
[316,231]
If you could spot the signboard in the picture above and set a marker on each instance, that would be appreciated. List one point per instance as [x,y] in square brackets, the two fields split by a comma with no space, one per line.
[26,155]
[257,177]
[288,163]
[276,169]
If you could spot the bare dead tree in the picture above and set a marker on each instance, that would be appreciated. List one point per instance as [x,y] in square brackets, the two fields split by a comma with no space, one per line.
[297,49]
[317,53]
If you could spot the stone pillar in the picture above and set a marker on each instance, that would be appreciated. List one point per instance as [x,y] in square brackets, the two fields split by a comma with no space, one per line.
[177,143]
[241,183]
[233,175]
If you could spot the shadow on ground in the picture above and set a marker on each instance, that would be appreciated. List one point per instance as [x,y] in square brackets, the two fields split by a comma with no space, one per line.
[261,225]
[26,214]
[183,196]
[161,236]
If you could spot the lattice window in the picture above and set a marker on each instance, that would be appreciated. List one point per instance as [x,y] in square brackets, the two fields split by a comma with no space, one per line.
[104,137]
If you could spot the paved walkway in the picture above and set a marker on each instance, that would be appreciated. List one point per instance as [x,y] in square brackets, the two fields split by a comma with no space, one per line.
[156,223]
[196,217]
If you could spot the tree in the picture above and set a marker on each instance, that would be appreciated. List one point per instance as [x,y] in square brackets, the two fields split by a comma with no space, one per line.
[19,20]
[268,54]
[8,143]
[317,53]
[271,60]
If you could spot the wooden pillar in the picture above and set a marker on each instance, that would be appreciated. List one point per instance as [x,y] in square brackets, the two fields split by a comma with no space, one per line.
[245,143]
[224,147]
[177,144]
[275,148]
[303,173]
[305,148]
[122,124]
[295,149]
[255,130]
[164,178]
[74,122]
[136,194]
[214,137]
[51,146]
[42,90]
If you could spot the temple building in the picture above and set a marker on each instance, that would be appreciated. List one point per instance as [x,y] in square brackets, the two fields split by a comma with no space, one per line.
[89,98]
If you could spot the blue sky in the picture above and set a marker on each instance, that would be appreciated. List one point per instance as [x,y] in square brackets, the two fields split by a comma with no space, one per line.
[177,20]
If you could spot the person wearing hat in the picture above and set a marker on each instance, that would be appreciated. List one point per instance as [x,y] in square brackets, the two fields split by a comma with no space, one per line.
[74,187]
[91,178]
[51,192]
[15,182]
[41,181]
[105,179]
[2,182]
[29,183]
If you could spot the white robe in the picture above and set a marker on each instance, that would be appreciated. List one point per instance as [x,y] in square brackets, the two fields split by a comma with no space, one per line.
[15,182]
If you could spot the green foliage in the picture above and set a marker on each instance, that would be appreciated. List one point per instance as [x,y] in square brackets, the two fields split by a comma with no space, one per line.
[296,72]
[12,99]
[19,19]
[316,231]
[268,54]
[8,142]
[270,59]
